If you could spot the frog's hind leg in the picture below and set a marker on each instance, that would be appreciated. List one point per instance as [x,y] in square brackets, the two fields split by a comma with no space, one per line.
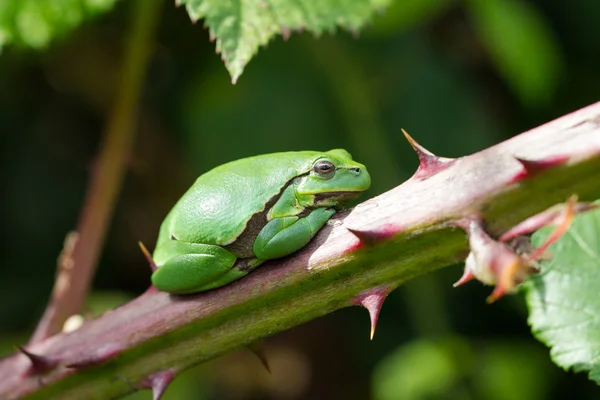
[240,269]
[185,267]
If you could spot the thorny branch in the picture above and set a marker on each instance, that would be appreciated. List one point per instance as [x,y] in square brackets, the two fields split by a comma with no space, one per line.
[357,259]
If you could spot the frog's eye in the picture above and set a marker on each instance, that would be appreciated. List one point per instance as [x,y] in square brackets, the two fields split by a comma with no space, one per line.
[324,169]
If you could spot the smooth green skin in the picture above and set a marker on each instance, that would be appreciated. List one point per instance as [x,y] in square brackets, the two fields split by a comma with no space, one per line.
[242,213]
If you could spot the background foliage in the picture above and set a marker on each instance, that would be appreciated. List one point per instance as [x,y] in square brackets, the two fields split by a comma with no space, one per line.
[458,75]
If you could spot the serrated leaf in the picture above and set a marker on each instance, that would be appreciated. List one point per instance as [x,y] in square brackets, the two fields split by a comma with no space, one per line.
[521,46]
[242,26]
[34,23]
[564,300]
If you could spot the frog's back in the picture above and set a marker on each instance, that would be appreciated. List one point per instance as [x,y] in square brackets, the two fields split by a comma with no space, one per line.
[217,207]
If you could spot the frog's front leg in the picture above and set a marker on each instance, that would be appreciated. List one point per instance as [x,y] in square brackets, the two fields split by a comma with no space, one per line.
[185,267]
[285,235]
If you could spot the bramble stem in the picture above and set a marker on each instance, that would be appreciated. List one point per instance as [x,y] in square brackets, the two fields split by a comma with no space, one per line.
[414,231]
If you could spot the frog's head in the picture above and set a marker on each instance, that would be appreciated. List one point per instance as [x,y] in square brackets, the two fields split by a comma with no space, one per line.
[333,179]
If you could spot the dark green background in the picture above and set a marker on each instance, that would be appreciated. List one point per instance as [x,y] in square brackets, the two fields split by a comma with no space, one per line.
[430,73]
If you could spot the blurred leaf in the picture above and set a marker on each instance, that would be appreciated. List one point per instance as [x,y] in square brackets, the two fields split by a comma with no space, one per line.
[242,26]
[563,300]
[35,23]
[406,13]
[498,378]
[422,369]
[521,45]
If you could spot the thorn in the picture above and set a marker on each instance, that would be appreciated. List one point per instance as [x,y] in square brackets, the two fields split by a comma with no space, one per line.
[177,3]
[153,266]
[497,293]
[38,363]
[158,382]
[467,274]
[258,349]
[370,238]
[372,300]
[101,355]
[534,167]
[366,237]
[429,163]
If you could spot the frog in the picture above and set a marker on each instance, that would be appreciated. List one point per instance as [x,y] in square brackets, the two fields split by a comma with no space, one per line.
[240,214]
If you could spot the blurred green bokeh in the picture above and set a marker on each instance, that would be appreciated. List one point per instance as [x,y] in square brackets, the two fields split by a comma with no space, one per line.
[459,76]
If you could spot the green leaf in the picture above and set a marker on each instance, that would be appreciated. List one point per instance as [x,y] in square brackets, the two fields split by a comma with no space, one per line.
[521,46]
[242,26]
[34,23]
[564,300]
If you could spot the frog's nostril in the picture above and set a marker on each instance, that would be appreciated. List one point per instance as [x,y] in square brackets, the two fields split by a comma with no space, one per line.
[355,169]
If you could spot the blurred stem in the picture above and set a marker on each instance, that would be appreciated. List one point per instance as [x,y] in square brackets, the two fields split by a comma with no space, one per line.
[79,258]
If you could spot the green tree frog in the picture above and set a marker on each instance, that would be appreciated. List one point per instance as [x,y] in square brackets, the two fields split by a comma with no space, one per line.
[240,214]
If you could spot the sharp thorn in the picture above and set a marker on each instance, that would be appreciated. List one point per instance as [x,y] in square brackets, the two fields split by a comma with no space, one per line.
[429,163]
[371,237]
[148,256]
[533,167]
[496,294]
[38,363]
[158,382]
[466,277]
[365,237]
[422,152]
[259,351]
[372,300]
[507,280]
